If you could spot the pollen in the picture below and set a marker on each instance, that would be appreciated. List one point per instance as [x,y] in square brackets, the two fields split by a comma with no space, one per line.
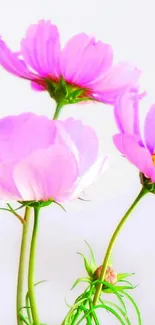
[153,158]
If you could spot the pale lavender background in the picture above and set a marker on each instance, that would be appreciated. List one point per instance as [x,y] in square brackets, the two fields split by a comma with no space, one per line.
[130,26]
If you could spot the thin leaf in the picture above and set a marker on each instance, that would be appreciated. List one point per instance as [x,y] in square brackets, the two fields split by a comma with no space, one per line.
[87,293]
[23,204]
[73,309]
[118,308]
[124,275]
[23,318]
[80,280]
[76,316]
[86,314]
[94,316]
[128,282]
[92,257]
[119,289]
[27,301]
[96,321]
[85,200]
[13,212]
[87,265]
[5,209]
[60,205]
[115,291]
[107,308]
[135,306]
[28,308]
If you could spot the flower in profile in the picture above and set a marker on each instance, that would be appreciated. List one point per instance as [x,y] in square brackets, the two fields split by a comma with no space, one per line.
[130,141]
[82,70]
[41,159]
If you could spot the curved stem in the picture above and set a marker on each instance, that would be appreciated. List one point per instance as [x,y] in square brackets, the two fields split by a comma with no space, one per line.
[112,242]
[57,111]
[22,262]
[32,268]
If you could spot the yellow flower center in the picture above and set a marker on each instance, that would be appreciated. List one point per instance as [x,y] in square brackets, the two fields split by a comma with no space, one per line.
[153,158]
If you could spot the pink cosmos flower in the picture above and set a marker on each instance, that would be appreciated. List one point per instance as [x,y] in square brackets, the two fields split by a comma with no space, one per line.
[84,65]
[130,141]
[42,159]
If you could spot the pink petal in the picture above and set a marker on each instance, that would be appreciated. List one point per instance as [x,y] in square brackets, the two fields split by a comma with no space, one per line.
[20,135]
[91,175]
[36,86]
[41,48]
[83,138]
[149,129]
[8,189]
[11,62]
[83,59]
[126,112]
[121,77]
[45,174]
[137,155]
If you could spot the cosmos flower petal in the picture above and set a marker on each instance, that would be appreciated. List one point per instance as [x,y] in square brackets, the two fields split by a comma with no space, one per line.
[83,59]
[84,140]
[20,135]
[90,175]
[41,48]
[47,173]
[121,77]
[137,155]
[149,129]
[8,189]
[126,111]
[11,62]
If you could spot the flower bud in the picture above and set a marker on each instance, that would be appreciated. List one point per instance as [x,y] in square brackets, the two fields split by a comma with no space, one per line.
[110,276]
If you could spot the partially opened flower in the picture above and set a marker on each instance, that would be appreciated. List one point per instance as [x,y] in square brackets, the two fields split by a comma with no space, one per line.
[41,159]
[82,70]
[130,141]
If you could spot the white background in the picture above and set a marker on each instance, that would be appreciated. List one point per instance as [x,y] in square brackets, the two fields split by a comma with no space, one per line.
[129,25]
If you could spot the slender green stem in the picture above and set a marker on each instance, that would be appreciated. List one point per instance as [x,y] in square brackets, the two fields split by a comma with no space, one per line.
[32,269]
[57,111]
[112,242]
[22,262]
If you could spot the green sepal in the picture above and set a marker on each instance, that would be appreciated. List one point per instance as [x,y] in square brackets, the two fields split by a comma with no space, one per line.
[38,204]
[125,281]
[51,86]
[147,183]
[121,276]
[118,288]
[76,93]
[66,93]
[87,265]
[92,258]
[80,280]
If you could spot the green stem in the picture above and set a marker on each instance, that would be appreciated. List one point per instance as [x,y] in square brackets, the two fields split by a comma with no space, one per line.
[32,268]
[112,242]
[57,111]
[22,262]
